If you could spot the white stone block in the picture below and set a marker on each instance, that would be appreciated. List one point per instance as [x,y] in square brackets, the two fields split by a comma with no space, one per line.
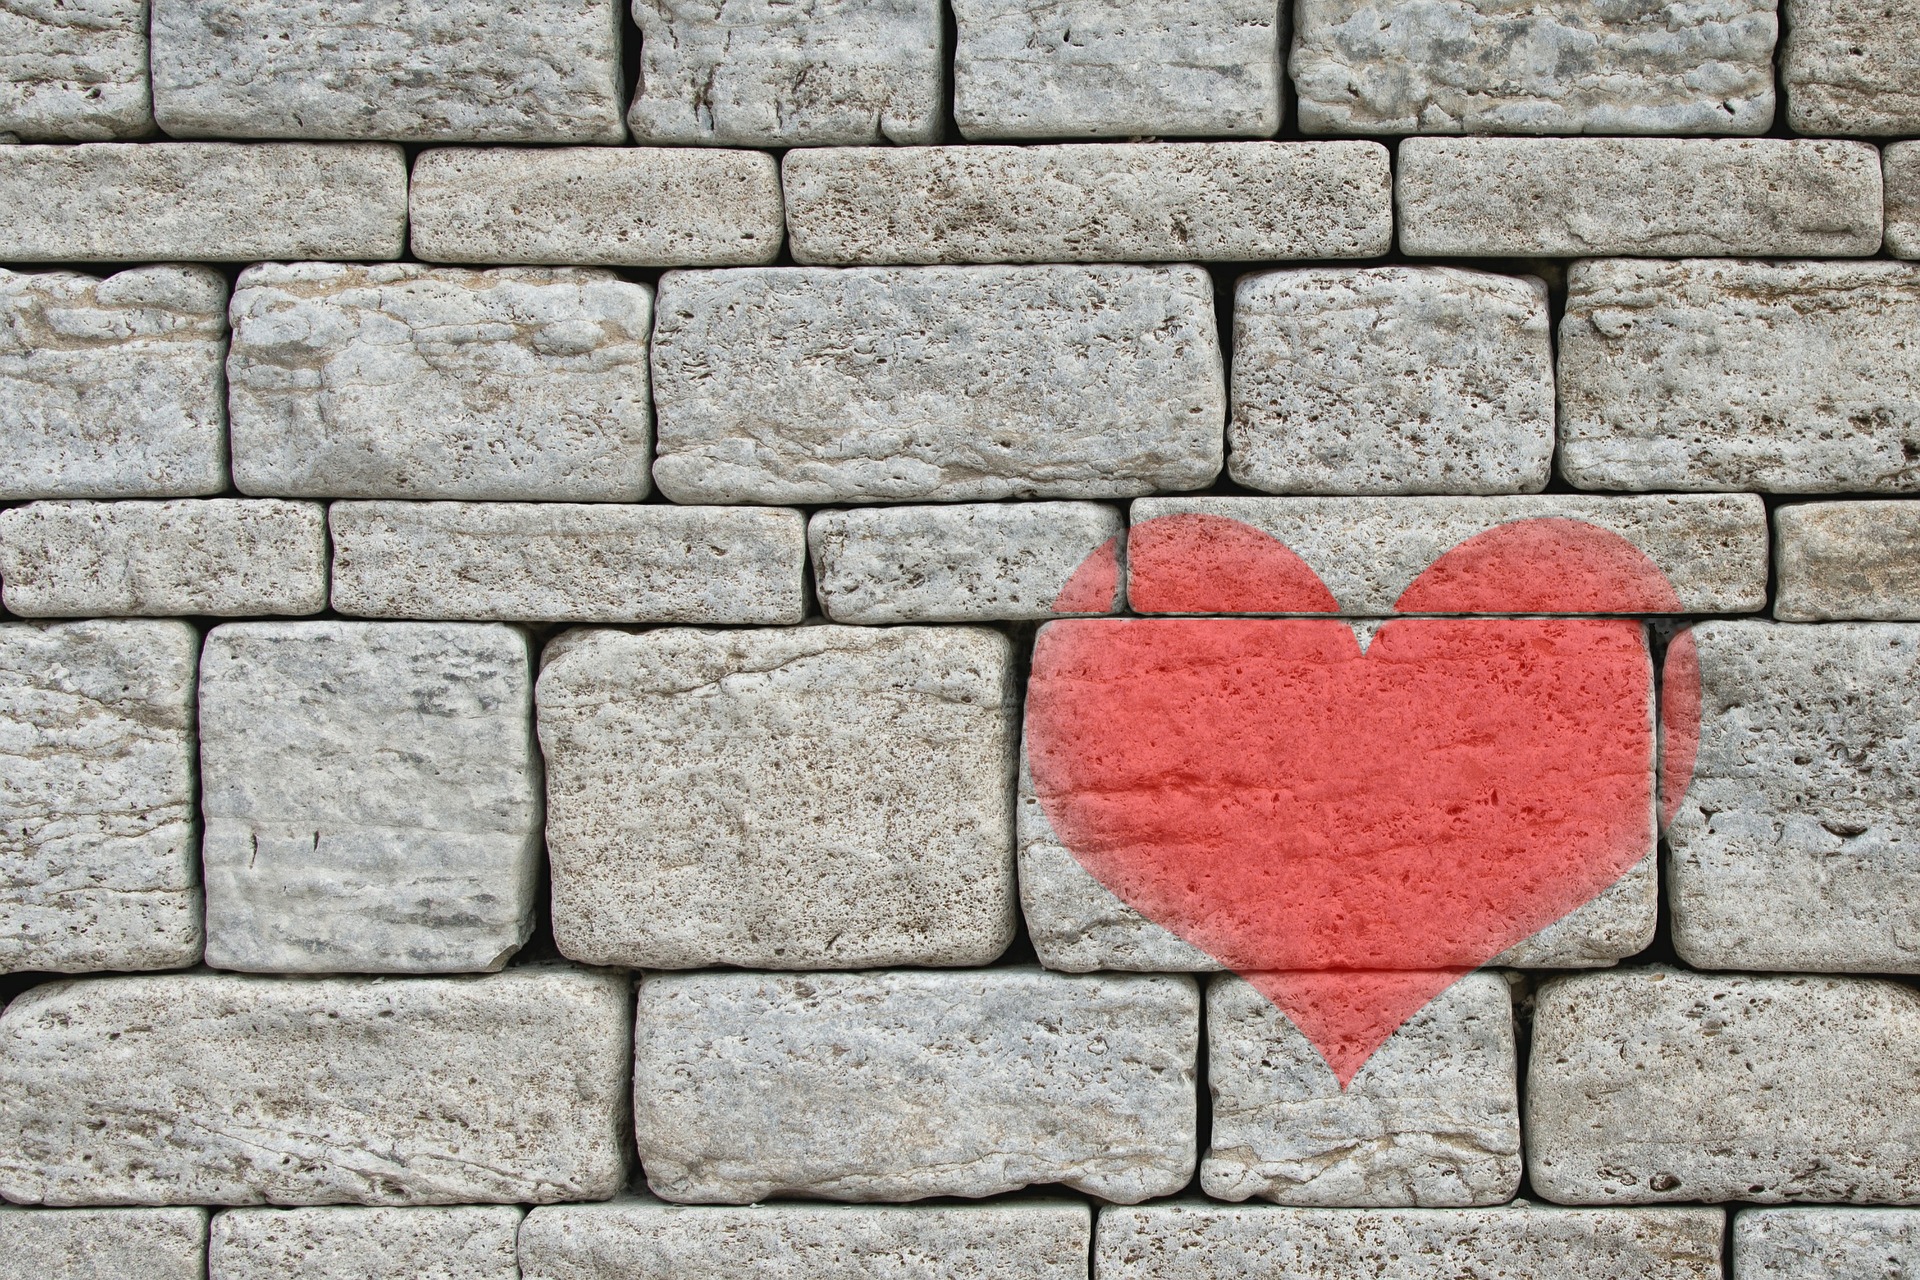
[74,72]
[1825,1244]
[1839,560]
[103,1244]
[1901,170]
[1852,68]
[470,1242]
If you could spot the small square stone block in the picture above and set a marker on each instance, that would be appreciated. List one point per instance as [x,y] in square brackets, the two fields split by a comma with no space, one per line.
[103,1244]
[1901,169]
[1840,560]
[467,1242]
[1825,1244]
[74,72]
[1852,68]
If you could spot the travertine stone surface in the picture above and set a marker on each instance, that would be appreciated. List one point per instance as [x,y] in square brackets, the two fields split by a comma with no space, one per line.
[1791,377]
[74,71]
[1836,560]
[958,384]
[988,562]
[532,71]
[471,1242]
[402,381]
[568,562]
[222,556]
[766,73]
[1825,1244]
[1391,380]
[646,1240]
[1901,170]
[219,1089]
[372,796]
[1433,1118]
[98,864]
[111,387]
[1567,66]
[103,1244]
[1852,68]
[1101,69]
[817,798]
[901,1085]
[596,206]
[1646,1085]
[210,201]
[1564,197]
[1090,202]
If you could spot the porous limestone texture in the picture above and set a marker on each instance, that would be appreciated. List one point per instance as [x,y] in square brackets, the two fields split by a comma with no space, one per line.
[1567,197]
[401,381]
[1110,69]
[1091,202]
[111,387]
[767,73]
[470,1242]
[1566,66]
[902,1085]
[210,201]
[646,1240]
[568,562]
[1789,377]
[1837,560]
[1901,171]
[828,797]
[98,865]
[446,71]
[596,206]
[957,384]
[990,562]
[1433,1118]
[1797,846]
[1852,68]
[1391,380]
[74,71]
[1825,1244]
[103,1244]
[372,796]
[221,556]
[214,1088]
[1646,1085]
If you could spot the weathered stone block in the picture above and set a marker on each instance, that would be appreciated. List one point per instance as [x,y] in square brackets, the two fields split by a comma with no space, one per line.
[1391,380]
[1901,170]
[957,384]
[1825,1244]
[818,798]
[372,796]
[103,1244]
[1836,560]
[74,72]
[1852,68]
[471,1242]
[901,1085]
[1566,197]
[221,1089]
[568,562]
[596,206]
[1092,202]
[402,381]
[1795,377]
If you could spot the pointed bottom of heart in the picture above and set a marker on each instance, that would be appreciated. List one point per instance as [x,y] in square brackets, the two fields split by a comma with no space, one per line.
[1347,1014]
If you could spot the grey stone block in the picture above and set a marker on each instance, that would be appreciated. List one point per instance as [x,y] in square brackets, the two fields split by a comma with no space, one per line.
[1852,68]
[74,72]
[403,381]
[372,796]
[903,1085]
[221,1089]
[1092,202]
[103,1244]
[955,384]
[1901,171]
[568,562]
[1567,197]
[1825,1244]
[1837,560]
[470,1242]
[817,798]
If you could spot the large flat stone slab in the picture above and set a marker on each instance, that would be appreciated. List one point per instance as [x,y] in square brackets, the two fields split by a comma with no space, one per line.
[1901,169]
[104,1244]
[1825,1244]
[1852,68]
[1840,560]
[474,1242]
[75,72]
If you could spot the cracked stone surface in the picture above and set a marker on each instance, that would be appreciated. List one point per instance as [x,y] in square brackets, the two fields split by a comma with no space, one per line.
[468,1242]
[1840,560]
[104,1244]
[1852,68]
[1901,170]
[74,70]
[1825,1244]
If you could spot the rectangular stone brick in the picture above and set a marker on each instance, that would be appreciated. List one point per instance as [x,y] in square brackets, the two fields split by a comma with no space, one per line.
[533,71]
[98,865]
[74,72]
[901,1085]
[990,562]
[1093,202]
[1825,1244]
[1568,197]
[221,1089]
[1836,560]
[1794,377]
[568,562]
[103,1244]
[1852,68]
[221,556]
[819,798]
[470,1242]
[211,201]
[403,381]
[956,384]
[372,796]
[1655,1084]
[596,206]
[1901,170]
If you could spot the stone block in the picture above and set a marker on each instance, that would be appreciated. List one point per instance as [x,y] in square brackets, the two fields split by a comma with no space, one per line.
[596,206]
[402,381]
[1838,560]
[1825,1244]
[1391,380]
[103,1244]
[1667,197]
[827,797]
[902,1085]
[216,1088]
[1852,68]
[1901,171]
[1793,377]
[954,384]
[371,794]
[1091,202]
[568,562]
[470,1242]
[74,72]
